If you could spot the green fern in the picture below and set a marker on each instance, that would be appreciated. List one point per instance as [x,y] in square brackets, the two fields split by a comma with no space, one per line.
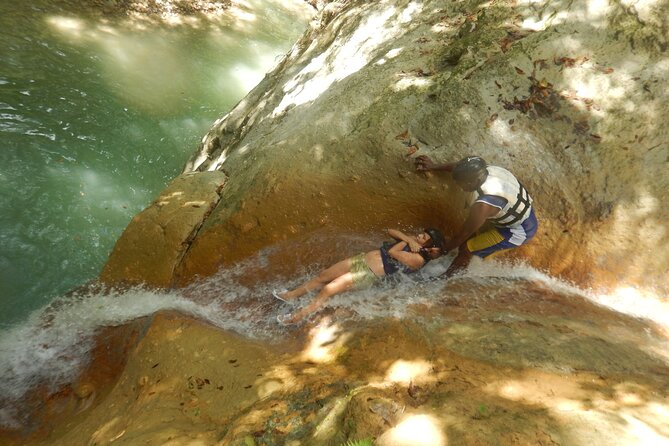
[365,442]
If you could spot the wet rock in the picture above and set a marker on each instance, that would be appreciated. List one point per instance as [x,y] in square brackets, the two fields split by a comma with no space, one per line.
[157,239]
[499,82]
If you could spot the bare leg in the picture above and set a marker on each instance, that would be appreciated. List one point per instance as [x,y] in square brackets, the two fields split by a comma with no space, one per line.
[338,285]
[460,262]
[318,282]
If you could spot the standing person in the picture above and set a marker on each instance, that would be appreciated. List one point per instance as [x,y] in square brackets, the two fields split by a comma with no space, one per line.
[495,196]
[408,254]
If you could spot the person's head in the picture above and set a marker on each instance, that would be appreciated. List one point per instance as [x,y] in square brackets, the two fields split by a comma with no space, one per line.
[470,172]
[432,241]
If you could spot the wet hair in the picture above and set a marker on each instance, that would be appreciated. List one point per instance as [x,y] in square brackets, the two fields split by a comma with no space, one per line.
[437,239]
[469,168]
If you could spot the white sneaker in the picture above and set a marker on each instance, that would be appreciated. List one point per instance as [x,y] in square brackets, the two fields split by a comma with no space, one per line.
[276,294]
[283,319]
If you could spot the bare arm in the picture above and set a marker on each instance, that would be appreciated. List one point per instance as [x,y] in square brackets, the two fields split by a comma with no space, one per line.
[410,259]
[478,214]
[425,164]
[409,240]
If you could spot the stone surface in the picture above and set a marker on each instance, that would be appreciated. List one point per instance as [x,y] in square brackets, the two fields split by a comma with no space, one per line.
[156,240]
[569,96]
[529,366]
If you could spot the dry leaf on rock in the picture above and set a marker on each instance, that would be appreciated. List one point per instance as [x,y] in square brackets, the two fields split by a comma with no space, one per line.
[403,135]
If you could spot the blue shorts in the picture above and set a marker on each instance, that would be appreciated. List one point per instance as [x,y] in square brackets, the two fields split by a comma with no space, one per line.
[501,239]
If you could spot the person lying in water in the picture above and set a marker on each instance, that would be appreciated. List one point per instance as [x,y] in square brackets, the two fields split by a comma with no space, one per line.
[407,254]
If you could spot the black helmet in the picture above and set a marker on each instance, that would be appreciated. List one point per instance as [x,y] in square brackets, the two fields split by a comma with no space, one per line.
[436,238]
[468,168]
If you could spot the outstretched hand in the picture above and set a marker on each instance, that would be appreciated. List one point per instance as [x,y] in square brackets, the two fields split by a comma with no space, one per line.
[423,163]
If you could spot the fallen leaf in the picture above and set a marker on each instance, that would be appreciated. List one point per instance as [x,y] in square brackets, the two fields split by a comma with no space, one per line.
[402,135]
[412,149]
[519,71]
[581,127]
[565,61]
[606,70]
[413,390]
[542,63]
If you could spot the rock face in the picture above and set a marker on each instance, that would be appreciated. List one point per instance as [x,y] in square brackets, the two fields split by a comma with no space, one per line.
[571,97]
[157,239]
[526,367]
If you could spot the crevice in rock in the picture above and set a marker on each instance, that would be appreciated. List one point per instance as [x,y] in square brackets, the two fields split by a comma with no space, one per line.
[187,243]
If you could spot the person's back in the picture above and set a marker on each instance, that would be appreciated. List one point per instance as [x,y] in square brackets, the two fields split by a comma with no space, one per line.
[502,189]
[496,196]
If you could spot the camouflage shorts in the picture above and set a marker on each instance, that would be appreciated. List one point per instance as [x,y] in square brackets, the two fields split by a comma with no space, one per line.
[363,276]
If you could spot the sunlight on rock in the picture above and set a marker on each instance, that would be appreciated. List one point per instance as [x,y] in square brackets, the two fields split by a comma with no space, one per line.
[642,433]
[593,12]
[634,226]
[243,149]
[408,371]
[416,430]
[537,392]
[411,9]
[591,85]
[628,398]
[638,302]
[195,204]
[268,387]
[409,82]
[279,378]
[326,343]
[389,55]
[393,53]
[597,9]
[329,425]
[504,132]
[565,405]
[644,8]
[579,408]
[318,152]
[107,433]
[342,60]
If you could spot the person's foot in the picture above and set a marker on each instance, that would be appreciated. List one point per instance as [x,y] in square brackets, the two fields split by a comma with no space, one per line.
[278,294]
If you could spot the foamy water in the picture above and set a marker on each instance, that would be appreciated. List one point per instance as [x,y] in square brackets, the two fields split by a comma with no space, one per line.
[52,346]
